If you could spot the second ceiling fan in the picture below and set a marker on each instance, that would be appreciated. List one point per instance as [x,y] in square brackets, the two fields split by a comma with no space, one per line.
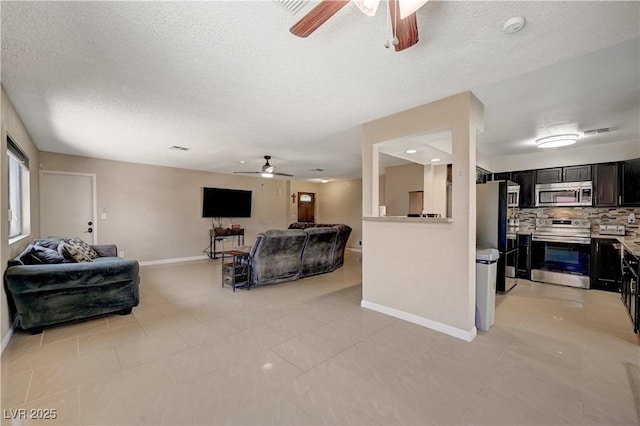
[401,13]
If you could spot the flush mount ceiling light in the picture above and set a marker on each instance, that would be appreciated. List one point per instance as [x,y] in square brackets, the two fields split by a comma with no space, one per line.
[557,140]
[411,151]
[435,160]
[513,25]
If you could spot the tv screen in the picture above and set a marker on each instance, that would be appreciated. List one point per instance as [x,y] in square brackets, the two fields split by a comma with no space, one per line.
[228,203]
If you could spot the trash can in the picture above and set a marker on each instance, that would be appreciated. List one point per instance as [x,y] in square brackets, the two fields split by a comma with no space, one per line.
[486,272]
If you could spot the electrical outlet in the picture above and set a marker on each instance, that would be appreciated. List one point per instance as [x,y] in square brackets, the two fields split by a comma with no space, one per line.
[121,254]
[103,216]
[631,218]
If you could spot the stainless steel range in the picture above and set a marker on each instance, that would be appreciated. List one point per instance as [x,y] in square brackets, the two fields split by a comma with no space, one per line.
[560,252]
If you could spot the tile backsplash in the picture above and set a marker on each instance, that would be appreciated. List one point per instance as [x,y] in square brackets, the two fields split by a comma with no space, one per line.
[597,215]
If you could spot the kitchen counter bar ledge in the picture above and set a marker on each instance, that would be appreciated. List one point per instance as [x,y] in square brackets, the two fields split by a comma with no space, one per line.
[406,219]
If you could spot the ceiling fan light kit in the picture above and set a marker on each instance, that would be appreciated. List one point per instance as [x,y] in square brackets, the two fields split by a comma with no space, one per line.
[409,7]
[368,7]
[405,29]
[557,140]
[268,171]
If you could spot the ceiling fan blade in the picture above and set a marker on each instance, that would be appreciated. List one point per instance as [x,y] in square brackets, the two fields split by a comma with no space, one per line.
[405,30]
[281,174]
[318,16]
[248,173]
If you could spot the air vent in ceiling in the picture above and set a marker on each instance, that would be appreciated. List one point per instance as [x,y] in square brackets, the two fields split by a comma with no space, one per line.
[597,131]
[317,170]
[292,6]
[179,148]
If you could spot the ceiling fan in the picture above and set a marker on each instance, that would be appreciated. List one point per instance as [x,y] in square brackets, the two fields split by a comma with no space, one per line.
[267,170]
[404,27]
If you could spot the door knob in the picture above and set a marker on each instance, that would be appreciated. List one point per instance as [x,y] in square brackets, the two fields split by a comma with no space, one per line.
[90,223]
[89,231]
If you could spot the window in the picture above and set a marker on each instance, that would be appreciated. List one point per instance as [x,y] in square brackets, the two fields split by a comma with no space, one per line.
[18,166]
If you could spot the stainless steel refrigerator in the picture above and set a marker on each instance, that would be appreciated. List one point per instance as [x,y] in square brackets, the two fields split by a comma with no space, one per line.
[491,228]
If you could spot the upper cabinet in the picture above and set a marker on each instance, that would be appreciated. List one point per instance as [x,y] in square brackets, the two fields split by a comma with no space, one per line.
[605,185]
[549,175]
[614,184]
[630,182]
[576,173]
[502,176]
[526,180]
[564,174]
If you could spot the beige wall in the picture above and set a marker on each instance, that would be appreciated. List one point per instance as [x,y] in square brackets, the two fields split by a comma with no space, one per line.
[12,125]
[155,213]
[342,203]
[399,181]
[424,272]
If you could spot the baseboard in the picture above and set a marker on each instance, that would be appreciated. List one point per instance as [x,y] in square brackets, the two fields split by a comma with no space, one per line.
[176,260]
[7,337]
[465,335]
[357,250]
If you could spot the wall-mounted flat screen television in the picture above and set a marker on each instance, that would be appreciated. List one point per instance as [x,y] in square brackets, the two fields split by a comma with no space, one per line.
[227,203]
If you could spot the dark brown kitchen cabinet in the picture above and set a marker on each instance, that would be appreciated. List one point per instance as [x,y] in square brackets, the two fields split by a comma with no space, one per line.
[526,180]
[576,173]
[605,185]
[606,271]
[630,182]
[502,176]
[549,175]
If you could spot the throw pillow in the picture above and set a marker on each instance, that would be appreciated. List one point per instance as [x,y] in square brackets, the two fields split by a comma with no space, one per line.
[27,257]
[84,248]
[50,243]
[70,254]
[46,255]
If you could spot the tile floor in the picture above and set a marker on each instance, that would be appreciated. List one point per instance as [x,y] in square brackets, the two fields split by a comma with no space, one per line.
[306,353]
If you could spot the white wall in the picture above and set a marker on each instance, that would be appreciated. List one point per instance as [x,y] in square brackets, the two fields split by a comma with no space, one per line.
[12,125]
[342,203]
[570,156]
[424,272]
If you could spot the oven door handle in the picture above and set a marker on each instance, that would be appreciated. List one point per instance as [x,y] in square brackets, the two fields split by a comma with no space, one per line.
[561,240]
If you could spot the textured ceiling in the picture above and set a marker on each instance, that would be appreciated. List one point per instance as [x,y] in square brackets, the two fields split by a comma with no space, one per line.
[128,80]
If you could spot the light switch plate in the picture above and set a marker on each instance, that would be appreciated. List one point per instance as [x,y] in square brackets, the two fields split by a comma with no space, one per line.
[103,216]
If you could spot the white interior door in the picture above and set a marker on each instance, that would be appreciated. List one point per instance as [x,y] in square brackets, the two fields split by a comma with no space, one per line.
[68,205]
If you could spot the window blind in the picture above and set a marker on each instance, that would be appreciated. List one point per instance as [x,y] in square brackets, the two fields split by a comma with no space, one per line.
[15,150]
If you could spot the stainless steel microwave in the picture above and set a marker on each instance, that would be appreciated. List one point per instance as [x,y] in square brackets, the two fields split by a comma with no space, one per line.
[564,194]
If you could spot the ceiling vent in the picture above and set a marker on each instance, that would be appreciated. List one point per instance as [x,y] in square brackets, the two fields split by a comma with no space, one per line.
[179,148]
[292,6]
[597,131]
[317,170]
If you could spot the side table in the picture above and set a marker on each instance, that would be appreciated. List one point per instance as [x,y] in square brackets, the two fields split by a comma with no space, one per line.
[236,273]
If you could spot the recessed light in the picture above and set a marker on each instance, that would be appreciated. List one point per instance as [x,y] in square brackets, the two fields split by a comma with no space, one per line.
[513,25]
[411,151]
[435,160]
[324,180]
[242,161]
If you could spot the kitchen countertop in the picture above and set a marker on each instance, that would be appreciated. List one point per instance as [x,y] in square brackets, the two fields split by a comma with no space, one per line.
[631,242]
